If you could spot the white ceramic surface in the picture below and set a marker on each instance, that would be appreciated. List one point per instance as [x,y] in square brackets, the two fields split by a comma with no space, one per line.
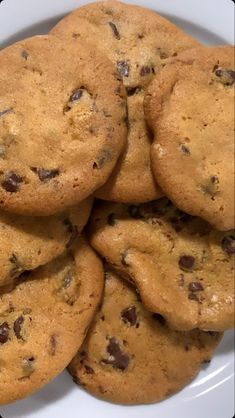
[211,394]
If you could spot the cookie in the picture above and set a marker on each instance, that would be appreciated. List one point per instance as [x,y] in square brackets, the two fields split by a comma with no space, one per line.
[62,124]
[28,242]
[139,42]
[190,107]
[130,355]
[44,321]
[182,268]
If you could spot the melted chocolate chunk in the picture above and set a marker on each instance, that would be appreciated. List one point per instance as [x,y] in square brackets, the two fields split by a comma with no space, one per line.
[228,244]
[111,219]
[16,265]
[129,316]
[25,55]
[17,327]
[67,280]
[4,332]
[76,95]
[186,262]
[5,111]
[88,369]
[193,296]
[117,359]
[44,174]
[195,287]
[115,30]
[123,68]
[145,70]
[185,150]
[227,77]
[12,182]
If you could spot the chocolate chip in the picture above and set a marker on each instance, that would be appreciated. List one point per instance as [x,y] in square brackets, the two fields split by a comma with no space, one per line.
[117,359]
[115,30]
[195,287]
[135,212]
[2,151]
[214,180]
[185,150]
[5,111]
[17,327]
[4,332]
[25,55]
[159,318]
[123,68]
[45,174]
[193,296]
[12,182]
[129,315]
[227,77]
[186,262]
[132,90]
[102,158]
[228,244]
[88,369]
[145,70]
[67,280]
[111,219]
[17,267]
[76,95]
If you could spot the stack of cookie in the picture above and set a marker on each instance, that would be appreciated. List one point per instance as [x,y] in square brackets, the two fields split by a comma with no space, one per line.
[119,106]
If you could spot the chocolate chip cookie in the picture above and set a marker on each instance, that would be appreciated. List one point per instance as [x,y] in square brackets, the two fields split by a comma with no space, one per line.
[44,321]
[28,242]
[62,124]
[139,42]
[131,356]
[190,107]
[182,268]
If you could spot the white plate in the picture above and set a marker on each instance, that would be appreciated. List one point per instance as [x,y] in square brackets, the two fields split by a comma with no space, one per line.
[210,395]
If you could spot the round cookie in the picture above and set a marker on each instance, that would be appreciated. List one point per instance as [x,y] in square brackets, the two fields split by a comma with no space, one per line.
[44,320]
[130,356]
[62,124]
[182,268]
[28,242]
[139,42]
[190,107]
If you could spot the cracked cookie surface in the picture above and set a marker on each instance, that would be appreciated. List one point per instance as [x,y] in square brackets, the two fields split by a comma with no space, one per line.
[28,242]
[62,124]
[44,320]
[138,42]
[182,267]
[190,107]
[131,356]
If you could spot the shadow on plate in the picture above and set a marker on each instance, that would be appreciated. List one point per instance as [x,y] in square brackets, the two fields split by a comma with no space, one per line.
[43,27]
[50,394]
